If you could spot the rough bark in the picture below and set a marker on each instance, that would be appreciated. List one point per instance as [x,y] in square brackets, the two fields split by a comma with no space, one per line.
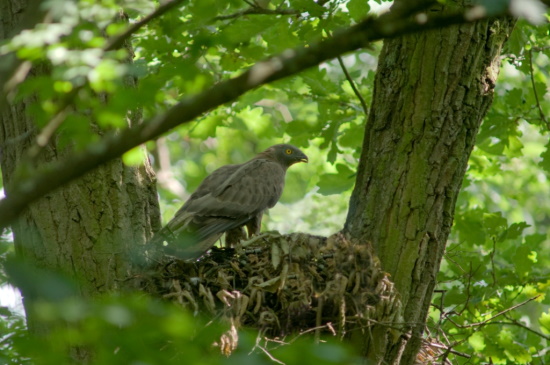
[286,63]
[88,230]
[431,93]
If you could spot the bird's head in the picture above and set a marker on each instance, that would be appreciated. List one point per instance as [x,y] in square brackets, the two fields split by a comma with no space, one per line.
[286,154]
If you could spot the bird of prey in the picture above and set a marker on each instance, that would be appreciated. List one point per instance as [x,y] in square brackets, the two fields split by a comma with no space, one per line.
[232,197]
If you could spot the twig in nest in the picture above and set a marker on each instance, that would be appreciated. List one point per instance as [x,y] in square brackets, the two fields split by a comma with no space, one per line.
[271,356]
[318,318]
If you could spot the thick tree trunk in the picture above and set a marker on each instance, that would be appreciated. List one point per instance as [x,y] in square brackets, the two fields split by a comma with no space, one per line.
[88,230]
[431,93]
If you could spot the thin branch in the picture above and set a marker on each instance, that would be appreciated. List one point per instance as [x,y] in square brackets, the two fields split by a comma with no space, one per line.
[271,357]
[291,61]
[492,258]
[43,138]
[532,72]
[353,86]
[113,43]
[256,10]
[12,65]
[441,306]
[471,274]
[17,139]
[118,41]
[540,49]
[32,17]
[448,349]
[513,322]
[477,324]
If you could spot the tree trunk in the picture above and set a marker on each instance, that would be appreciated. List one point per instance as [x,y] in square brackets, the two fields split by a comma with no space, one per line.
[431,93]
[89,230]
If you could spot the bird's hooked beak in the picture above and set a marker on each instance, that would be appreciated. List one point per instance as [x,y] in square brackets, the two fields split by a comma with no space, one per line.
[303,158]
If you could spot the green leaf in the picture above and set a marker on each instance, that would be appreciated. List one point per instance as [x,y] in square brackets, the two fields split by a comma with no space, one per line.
[358,9]
[76,131]
[351,137]
[477,341]
[530,96]
[205,9]
[469,227]
[332,153]
[494,223]
[454,295]
[336,183]
[318,82]
[545,162]
[206,128]
[514,147]
[516,229]
[522,261]
[279,38]
[534,240]
[135,157]
[544,321]
[517,40]
[231,61]
[308,5]
[107,118]
[244,29]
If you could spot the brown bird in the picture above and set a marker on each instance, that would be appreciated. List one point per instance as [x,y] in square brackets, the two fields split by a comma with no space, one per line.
[232,197]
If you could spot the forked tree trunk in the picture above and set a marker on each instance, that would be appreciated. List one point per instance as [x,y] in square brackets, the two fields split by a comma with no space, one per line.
[88,230]
[431,92]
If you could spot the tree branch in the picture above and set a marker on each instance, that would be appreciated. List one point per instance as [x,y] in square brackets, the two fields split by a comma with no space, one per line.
[354,87]
[532,73]
[290,62]
[118,41]
[33,15]
[482,323]
[514,322]
[257,11]
[17,73]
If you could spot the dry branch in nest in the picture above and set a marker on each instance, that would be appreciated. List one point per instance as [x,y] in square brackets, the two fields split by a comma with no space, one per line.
[284,285]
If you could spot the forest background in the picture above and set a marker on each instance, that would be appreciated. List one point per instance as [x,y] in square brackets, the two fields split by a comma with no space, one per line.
[491,299]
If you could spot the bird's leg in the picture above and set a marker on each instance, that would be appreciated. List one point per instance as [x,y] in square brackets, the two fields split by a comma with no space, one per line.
[254,225]
[234,236]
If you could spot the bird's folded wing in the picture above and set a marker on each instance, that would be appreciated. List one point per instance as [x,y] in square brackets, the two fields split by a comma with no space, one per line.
[254,187]
[228,198]
[211,182]
[251,189]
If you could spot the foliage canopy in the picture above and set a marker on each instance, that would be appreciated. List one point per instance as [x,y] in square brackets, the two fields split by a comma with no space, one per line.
[499,251]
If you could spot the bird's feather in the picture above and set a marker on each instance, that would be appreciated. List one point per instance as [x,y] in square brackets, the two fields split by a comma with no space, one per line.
[231,197]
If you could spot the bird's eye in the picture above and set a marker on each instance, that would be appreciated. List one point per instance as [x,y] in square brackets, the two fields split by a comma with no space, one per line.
[288,151]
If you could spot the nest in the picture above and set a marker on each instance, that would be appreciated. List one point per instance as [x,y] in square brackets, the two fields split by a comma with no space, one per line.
[284,285]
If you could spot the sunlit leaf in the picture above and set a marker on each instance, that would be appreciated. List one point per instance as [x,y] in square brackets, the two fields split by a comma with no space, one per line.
[336,183]
[358,9]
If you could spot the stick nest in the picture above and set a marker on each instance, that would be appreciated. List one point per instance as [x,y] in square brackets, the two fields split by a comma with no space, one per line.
[283,285]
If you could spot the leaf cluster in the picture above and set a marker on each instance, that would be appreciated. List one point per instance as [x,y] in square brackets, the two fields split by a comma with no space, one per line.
[497,255]
[499,250]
